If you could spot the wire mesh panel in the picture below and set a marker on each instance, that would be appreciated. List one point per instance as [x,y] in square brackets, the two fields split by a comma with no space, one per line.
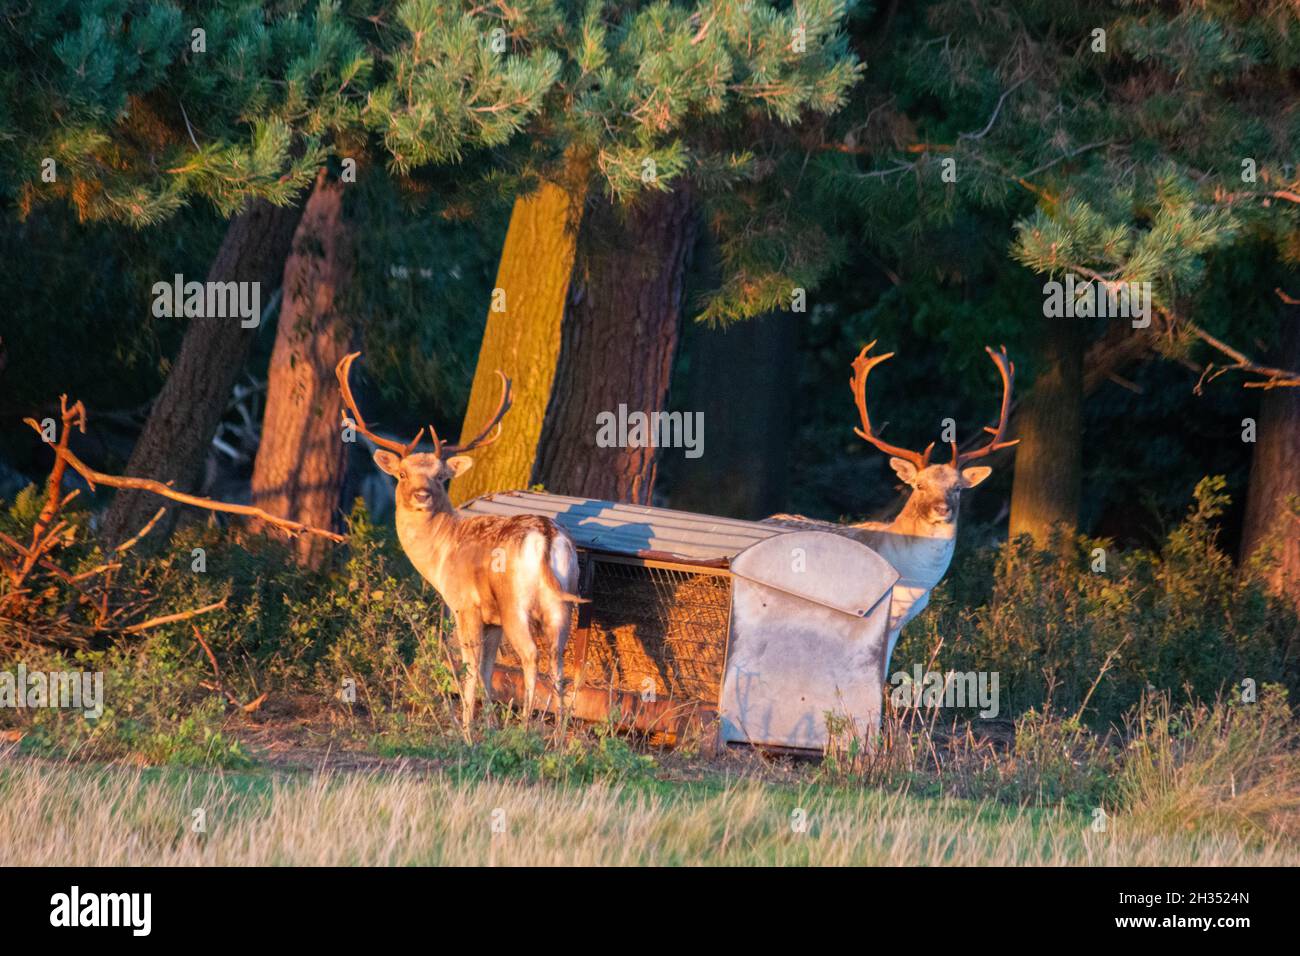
[651,628]
[660,628]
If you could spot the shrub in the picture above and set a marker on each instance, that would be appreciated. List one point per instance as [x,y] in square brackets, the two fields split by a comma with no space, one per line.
[1062,635]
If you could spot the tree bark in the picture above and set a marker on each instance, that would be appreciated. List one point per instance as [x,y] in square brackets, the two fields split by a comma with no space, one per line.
[1275,471]
[1049,459]
[523,340]
[741,379]
[185,415]
[299,469]
[618,342]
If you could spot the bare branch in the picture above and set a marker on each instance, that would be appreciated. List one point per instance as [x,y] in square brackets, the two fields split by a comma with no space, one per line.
[173,618]
[94,478]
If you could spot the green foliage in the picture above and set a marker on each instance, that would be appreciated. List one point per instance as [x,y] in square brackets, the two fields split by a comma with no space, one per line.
[1072,639]
[1229,765]
[138,119]
[367,621]
[154,708]
[582,756]
[447,85]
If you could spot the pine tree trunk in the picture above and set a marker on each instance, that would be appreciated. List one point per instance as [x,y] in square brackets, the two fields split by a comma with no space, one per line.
[299,469]
[1049,458]
[178,433]
[1275,470]
[618,342]
[741,379]
[523,340]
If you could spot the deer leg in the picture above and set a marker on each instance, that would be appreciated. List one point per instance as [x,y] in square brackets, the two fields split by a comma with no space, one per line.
[469,635]
[557,620]
[520,636]
[487,664]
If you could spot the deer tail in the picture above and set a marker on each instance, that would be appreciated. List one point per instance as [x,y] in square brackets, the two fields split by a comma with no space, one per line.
[549,573]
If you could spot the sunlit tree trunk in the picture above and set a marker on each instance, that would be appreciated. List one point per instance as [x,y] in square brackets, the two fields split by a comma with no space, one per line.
[184,417]
[1048,477]
[299,469]
[522,338]
[1275,470]
[618,342]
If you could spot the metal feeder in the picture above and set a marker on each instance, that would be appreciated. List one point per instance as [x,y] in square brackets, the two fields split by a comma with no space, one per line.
[737,631]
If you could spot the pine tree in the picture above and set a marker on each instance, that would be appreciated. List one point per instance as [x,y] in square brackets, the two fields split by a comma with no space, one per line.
[440,91]
[1114,139]
[130,110]
[650,127]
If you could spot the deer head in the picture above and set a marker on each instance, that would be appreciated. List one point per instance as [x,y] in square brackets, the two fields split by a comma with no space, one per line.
[421,476]
[936,489]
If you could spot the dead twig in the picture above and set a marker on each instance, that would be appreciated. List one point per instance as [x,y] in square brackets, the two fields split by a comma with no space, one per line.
[93,478]
[173,618]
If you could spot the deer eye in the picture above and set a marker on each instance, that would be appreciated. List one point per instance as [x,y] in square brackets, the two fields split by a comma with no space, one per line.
[401,476]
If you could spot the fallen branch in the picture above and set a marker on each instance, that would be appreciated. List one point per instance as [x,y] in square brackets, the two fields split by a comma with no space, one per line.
[130,543]
[93,478]
[216,685]
[173,618]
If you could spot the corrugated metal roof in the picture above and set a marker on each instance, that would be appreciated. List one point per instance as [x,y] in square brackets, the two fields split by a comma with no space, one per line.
[634,530]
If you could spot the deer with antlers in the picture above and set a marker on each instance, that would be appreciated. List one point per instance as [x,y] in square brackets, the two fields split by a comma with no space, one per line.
[497,574]
[919,542]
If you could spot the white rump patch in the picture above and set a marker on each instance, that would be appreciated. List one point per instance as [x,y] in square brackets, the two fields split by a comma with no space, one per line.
[564,564]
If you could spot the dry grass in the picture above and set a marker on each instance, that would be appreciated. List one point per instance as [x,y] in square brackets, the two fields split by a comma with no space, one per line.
[79,815]
[1226,766]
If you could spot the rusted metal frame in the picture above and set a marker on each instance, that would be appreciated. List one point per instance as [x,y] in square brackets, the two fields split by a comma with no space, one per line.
[582,633]
[658,559]
[673,718]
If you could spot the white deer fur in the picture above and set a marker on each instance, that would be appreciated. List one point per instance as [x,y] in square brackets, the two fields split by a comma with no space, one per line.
[918,543]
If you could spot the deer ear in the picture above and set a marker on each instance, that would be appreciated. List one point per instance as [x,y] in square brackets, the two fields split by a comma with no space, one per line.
[973,476]
[459,465]
[904,469]
[388,462]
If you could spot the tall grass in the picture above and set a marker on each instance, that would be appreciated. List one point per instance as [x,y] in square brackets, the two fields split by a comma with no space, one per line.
[72,815]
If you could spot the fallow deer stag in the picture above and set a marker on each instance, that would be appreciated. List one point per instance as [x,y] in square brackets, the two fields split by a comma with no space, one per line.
[496,574]
[919,542]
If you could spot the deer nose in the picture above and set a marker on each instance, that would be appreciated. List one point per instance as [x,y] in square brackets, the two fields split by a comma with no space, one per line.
[420,495]
[942,510]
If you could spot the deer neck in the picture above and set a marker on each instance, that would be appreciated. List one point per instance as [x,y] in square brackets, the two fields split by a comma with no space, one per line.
[919,550]
[428,538]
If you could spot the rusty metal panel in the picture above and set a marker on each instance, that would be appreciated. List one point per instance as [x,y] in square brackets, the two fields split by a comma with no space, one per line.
[658,633]
[809,621]
[671,719]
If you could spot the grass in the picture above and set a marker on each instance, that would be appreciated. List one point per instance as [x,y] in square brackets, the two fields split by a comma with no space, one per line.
[115,816]
[1197,786]
[357,756]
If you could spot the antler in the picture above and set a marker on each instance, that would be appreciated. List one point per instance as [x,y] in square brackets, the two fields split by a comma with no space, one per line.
[481,439]
[862,366]
[341,371]
[1007,369]
[439,448]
